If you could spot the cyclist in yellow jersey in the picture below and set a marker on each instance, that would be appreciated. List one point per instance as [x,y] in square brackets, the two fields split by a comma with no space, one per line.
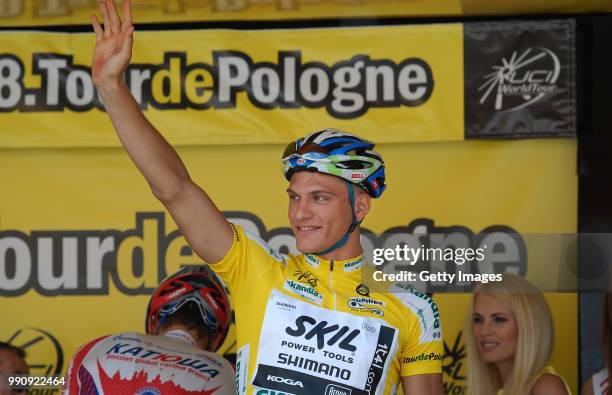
[306,324]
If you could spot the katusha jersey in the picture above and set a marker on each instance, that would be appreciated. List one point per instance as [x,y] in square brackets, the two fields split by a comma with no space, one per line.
[310,326]
[135,364]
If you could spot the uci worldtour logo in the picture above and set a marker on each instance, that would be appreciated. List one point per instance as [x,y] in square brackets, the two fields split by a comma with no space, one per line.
[521,80]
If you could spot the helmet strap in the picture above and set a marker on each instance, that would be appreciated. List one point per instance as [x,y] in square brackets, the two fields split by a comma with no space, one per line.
[354,223]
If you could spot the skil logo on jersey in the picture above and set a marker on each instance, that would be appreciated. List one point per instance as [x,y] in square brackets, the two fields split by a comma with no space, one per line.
[346,89]
[304,290]
[324,332]
[521,80]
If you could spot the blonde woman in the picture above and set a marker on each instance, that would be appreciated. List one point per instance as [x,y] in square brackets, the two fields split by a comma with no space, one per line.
[510,340]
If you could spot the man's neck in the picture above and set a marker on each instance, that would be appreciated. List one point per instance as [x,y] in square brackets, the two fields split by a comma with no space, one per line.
[350,250]
[181,335]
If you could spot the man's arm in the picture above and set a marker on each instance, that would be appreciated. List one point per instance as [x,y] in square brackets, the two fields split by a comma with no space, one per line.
[199,220]
[423,384]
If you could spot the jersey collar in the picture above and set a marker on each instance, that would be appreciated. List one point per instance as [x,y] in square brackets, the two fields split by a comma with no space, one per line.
[181,335]
[346,265]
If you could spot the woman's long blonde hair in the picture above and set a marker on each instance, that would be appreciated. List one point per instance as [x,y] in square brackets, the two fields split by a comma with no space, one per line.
[534,343]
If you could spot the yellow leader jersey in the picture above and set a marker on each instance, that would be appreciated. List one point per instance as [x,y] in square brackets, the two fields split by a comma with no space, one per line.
[310,326]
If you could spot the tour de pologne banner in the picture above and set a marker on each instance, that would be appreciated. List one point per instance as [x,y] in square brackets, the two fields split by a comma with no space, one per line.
[442,82]
[75,12]
[83,241]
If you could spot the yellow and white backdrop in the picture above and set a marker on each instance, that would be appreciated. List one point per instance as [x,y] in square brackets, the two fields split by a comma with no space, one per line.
[83,242]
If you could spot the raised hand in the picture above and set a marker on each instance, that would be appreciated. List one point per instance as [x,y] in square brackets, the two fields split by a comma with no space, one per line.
[113,49]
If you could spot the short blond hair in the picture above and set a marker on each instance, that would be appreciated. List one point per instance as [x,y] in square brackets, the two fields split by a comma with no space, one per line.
[534,343]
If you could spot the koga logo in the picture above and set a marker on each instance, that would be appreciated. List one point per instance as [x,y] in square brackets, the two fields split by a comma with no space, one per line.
[345,89]
[283,380]
[521,80]
[324,332]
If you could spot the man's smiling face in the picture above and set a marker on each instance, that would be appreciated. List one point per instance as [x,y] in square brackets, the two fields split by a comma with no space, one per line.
[319,210]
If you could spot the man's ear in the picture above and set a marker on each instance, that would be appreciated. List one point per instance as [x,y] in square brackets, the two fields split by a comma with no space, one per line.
[362,203]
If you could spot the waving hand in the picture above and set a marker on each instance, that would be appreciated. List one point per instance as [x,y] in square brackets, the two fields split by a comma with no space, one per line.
[113,43]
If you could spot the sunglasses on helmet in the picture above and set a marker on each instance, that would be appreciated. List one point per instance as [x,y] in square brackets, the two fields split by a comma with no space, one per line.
[312,151]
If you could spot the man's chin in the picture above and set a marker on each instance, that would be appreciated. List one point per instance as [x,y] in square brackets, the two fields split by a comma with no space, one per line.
[309,248]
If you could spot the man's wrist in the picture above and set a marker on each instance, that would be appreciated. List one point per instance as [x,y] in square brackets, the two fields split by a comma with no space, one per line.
[108,88]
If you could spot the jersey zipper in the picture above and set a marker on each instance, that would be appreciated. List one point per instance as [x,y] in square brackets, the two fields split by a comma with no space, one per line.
[331,282]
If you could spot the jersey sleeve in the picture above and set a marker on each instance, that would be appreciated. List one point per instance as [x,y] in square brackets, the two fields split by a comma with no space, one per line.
[225,382]
[248,259]
[74,373]
[422,348]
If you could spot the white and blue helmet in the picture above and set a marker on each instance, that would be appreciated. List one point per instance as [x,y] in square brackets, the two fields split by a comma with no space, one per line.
[340,154]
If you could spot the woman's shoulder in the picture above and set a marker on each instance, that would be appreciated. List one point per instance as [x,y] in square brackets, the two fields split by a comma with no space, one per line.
[550,383]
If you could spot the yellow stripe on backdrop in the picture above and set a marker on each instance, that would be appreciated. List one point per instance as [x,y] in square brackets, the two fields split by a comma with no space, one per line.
[61,12]
[79,198]
[76,12]
[271,85]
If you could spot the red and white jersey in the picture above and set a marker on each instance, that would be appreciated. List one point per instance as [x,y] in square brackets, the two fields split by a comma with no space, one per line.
[601,384]
[136,364]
